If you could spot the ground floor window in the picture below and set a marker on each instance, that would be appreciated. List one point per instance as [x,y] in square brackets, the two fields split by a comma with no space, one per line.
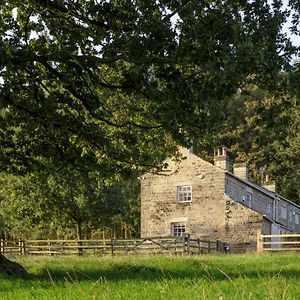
[178,229]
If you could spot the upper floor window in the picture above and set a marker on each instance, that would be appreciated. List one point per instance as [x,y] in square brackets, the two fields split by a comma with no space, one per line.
[248,199]
[291,216]
[178,229]
[297,218]
[184,193]
[283,212]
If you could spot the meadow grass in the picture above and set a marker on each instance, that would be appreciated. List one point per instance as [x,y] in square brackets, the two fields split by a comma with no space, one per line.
[248,276]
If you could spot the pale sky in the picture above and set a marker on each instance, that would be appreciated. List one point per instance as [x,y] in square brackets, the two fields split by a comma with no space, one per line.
[295,38]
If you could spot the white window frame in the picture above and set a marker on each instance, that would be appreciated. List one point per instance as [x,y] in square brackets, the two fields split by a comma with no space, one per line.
[283,212]
[184,193]
[178,228]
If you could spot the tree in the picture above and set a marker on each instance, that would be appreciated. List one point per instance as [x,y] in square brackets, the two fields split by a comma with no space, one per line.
[262,129]
[68,200]
[111,81]
[256,125]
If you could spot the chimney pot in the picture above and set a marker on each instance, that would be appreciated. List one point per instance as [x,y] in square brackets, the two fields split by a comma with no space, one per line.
[224,151]
[221,159]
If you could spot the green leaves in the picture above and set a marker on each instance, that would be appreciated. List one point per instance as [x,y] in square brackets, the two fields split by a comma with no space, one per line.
[117,85]
[57,200]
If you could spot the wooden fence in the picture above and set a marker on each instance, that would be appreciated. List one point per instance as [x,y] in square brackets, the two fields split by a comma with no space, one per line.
[155,245]
[278,242]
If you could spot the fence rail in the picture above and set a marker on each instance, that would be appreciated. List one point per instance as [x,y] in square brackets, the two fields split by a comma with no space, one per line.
[278,242]
[153,245]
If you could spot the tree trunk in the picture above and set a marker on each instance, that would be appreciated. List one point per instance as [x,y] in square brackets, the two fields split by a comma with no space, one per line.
[125,231]
[11,268]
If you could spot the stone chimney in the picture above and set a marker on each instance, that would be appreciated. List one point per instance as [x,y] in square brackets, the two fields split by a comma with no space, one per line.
[241,170]
[221,159]
[269,185]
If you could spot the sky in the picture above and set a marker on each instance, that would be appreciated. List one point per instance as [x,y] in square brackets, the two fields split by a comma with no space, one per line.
[294,38]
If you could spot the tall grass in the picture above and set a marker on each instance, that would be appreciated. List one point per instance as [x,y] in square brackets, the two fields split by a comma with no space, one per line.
[219,277]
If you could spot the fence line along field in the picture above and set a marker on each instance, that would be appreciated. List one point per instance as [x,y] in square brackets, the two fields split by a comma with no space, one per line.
[154,245]
[211,276]
[278,242]
[142,246]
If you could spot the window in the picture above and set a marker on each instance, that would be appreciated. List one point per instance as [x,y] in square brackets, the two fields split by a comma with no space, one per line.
[283,212]
[291,214]
[184,193]
[178,229]
[297,218]
[248,199]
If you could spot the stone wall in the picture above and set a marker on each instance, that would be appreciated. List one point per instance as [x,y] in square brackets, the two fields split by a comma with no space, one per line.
[203,216]
[211,214]
[241,226]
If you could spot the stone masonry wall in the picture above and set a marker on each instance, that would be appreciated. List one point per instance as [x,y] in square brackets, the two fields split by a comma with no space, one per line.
[204,216]
[241,225]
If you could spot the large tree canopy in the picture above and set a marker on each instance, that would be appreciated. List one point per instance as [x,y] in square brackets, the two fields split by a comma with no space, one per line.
[113,83]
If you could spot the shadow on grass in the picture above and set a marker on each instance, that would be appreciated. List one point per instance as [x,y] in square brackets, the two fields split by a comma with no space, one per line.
[190,269]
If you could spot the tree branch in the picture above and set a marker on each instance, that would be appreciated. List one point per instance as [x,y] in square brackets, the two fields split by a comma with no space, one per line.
[24,57]
[56,5]
[89,106]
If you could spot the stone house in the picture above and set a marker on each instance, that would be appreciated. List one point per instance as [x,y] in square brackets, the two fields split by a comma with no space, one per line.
[208,201]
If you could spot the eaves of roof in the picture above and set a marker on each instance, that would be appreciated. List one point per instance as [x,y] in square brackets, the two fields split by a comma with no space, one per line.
[261,189]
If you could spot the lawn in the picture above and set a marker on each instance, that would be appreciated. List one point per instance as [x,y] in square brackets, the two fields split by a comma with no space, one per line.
[249,276]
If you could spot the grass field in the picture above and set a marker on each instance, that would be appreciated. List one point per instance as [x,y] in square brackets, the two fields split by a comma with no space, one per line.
[219,277]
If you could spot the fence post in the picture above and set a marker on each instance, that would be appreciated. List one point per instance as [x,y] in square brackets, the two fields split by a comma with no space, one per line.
[183,244]
[112,246]
[259,246]
[2,246]
[198,245]
[24,247]
[221,246]
[79,248]
[188,243]
[219,249]
[21,247]
[208,246]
